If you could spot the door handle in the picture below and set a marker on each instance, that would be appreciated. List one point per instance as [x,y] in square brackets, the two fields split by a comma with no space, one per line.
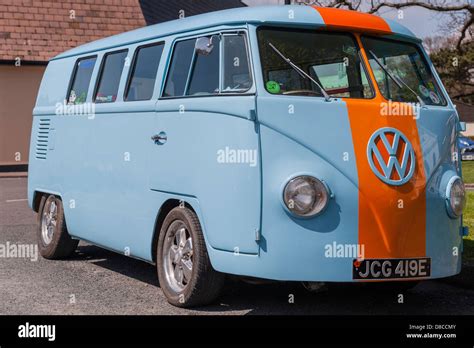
[159,138]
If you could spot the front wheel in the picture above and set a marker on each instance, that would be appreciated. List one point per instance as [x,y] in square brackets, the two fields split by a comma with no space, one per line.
[184,270]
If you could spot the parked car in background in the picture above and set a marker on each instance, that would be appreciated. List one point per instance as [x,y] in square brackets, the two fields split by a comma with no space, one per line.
[466,147]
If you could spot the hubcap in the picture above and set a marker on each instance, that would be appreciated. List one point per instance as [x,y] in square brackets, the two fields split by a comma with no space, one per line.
[49,221]
[178,256]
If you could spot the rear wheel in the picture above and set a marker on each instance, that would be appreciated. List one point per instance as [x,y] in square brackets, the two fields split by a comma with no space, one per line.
[184,270]
[54,242]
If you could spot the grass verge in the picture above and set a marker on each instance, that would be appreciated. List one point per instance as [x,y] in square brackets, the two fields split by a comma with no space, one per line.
[468,253]
[468,172]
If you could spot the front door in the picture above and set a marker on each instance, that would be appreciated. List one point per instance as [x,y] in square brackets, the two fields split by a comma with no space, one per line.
[207,144]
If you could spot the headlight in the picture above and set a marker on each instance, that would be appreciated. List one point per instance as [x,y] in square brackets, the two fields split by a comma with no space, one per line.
[305,196]
[456,197]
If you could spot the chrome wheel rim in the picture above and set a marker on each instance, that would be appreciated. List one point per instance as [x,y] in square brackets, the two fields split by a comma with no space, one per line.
[178,256]
[49,221]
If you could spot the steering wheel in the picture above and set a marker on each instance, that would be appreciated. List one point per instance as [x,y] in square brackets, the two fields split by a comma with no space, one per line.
[302,91]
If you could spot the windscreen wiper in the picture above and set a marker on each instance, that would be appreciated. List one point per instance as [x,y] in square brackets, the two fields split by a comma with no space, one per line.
[395,78]
[301,72]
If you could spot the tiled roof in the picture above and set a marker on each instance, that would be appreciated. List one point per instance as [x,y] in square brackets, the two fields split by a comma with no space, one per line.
[158,11]
[36,30]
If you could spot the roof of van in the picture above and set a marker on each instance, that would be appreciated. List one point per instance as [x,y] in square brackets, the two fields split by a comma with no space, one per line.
[291,15]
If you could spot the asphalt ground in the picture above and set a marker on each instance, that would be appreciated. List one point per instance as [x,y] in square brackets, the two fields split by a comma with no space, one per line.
[97,281]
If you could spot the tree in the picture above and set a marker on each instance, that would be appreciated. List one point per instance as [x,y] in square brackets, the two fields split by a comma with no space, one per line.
[456,69]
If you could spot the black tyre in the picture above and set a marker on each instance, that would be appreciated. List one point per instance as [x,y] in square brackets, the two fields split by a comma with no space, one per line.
[184,270]
[54,242]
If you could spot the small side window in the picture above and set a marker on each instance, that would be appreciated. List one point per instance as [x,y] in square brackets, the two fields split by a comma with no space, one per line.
[109,79]
[236,64]
[81,78]
[143,74]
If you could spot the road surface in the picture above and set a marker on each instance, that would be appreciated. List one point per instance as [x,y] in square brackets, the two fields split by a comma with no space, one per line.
[96,281]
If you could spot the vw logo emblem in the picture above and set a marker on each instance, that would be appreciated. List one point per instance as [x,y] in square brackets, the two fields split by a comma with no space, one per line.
[391,156]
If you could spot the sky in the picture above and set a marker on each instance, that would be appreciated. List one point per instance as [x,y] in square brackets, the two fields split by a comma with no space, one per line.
[422,22]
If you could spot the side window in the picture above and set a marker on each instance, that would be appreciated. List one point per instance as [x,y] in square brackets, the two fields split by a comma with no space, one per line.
[77,93]
[111,71]
[143,74]
[179,70]
[405,60]
[236,64]
[198,70]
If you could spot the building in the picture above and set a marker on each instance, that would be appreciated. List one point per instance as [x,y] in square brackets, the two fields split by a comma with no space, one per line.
[33,31]
[466,114]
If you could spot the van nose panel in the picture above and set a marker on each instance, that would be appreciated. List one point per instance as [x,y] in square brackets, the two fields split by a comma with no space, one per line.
[387,218]
[392,221]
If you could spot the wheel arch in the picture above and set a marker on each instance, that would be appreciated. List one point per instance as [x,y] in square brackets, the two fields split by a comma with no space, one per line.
[165,208]
[38,194]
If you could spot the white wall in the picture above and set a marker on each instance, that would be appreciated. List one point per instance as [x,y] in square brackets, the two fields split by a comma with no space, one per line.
[469,130]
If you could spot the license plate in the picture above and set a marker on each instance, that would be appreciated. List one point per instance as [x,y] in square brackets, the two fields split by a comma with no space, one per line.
[391,268]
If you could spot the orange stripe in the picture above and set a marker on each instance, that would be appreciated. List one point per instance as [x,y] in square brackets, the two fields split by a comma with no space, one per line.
[353,20]
[385,229]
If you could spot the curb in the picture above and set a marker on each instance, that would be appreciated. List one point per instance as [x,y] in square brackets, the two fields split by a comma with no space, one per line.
[14,175]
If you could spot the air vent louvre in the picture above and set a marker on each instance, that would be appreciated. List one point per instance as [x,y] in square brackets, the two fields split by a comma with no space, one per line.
[42,138]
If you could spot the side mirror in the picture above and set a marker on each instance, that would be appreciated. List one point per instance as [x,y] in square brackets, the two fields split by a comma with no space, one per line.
[462,126]
[204,45]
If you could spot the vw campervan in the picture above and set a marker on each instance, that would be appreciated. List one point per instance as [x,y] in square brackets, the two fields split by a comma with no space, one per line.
[289,143]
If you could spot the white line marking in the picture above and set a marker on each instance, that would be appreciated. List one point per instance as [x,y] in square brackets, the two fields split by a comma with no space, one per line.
[16,200]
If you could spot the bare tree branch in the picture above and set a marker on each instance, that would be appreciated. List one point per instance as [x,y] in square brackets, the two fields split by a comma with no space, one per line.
[434,7]
[375,6]
[463,95]
[358,5]
[427,5]
[463,32]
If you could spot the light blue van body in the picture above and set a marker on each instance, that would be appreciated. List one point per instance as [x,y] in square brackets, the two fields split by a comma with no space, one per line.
[116,183]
